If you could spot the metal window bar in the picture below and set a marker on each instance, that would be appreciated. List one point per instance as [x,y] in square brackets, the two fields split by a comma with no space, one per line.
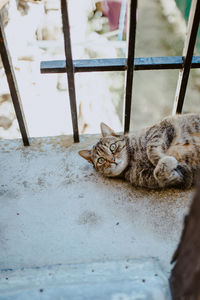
[192,29]
[118,64]
[70,69]
[7,63]
[185,63]
[131,64]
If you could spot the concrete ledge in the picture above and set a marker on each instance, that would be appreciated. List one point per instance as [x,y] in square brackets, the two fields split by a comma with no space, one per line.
[55,209]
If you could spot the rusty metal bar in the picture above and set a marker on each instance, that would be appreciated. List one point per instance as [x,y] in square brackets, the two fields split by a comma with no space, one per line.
[7,63]
[188,50]
[130,64]
[70,68]
[117,64]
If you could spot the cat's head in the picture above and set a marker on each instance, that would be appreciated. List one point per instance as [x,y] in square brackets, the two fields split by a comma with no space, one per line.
[110,155]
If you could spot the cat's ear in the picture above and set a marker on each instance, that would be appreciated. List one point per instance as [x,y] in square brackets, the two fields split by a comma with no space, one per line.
[86,154]
[106,130]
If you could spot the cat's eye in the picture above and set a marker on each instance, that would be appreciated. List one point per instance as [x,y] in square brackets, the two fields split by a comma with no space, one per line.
[101,160]
[113,147]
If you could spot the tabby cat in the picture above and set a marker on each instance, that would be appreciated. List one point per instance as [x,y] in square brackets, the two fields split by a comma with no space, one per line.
[164,155]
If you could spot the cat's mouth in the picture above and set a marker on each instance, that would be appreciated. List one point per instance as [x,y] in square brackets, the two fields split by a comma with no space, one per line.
[115,170]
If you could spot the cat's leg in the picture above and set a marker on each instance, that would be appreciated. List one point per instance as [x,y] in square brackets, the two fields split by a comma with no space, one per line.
[169,173]
[157,146]
[155,152]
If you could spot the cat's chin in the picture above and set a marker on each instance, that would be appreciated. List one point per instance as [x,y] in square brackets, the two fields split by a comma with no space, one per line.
[116,171]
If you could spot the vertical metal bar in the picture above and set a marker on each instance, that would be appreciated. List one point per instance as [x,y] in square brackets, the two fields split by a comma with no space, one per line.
[69,68]
[130,64]
[193,24]
[7,63]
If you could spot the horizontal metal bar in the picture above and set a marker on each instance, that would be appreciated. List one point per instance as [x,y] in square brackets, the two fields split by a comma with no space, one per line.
[118,64]
[84,65]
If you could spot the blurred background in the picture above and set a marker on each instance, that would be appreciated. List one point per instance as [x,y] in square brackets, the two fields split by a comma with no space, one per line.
[98,30]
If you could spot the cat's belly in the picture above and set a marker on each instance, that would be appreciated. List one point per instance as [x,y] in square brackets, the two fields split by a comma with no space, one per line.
[141,175]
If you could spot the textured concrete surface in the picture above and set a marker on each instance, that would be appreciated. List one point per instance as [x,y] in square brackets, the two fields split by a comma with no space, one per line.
[55,209]
[121,280]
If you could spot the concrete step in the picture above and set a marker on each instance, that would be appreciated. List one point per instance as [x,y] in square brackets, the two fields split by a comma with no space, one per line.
[114,280]
[56,209]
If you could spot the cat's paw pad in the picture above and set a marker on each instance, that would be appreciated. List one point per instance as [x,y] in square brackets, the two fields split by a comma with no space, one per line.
[166,170]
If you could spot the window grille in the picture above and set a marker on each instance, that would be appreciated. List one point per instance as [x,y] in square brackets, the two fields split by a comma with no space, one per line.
[129,65]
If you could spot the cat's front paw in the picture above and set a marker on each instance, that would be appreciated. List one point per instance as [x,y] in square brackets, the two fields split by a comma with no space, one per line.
[166,171]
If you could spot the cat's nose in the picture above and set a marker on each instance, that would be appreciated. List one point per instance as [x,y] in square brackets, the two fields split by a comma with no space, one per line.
[112,160]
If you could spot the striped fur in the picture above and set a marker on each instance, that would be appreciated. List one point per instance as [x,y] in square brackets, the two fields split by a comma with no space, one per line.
[164,155]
